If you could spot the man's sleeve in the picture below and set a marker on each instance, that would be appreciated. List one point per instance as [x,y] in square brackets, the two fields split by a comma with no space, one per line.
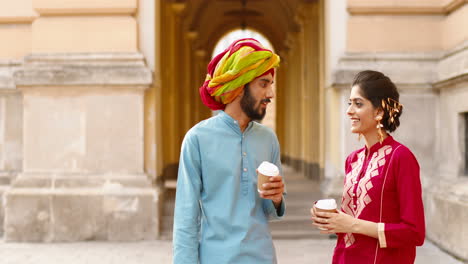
[272,212]
[187,205]
[410,231]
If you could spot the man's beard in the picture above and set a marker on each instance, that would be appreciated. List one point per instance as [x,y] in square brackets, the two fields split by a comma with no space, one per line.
[248,105]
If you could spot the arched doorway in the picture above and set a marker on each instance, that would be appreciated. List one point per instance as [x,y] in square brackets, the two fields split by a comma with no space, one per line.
[190,31]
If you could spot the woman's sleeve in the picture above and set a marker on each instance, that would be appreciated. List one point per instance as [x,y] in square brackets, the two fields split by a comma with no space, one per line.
[410,231]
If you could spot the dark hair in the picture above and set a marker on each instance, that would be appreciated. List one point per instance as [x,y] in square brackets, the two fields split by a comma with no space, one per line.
[382,92]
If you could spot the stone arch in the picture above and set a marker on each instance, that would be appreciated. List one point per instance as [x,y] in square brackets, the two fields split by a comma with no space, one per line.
[295,30]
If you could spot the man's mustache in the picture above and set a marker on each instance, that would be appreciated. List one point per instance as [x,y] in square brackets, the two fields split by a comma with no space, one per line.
[267,100]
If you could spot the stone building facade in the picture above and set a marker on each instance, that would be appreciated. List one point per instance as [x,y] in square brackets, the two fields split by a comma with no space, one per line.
[73,84]
[96,96]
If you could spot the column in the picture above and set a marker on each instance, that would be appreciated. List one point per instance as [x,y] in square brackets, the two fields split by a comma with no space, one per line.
[83,88]
[15,32]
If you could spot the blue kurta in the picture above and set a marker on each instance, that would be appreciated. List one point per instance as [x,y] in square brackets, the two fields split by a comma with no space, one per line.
[219,216]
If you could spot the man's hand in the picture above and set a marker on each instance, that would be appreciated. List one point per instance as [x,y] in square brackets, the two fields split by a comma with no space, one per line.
[273,190]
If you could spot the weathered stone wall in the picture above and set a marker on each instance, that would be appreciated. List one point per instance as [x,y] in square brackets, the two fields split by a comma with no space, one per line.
[72,87]
[82,175]
[11,140]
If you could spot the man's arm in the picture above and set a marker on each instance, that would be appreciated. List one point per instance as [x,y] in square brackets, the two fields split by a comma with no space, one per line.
[273,194]
[275,191]
[187,206]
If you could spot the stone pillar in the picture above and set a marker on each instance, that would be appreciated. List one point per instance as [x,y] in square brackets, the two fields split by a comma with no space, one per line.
[172,85]
[281,101]
[299,126]
[293,102]
[308,18]
[11,113]
[201,61]
[15,32]
[83,175]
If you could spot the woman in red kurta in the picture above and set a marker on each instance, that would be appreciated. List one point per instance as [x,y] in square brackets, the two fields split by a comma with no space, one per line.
[382,214]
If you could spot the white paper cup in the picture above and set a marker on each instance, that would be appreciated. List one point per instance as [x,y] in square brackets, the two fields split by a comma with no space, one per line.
[264,172]
[325,205]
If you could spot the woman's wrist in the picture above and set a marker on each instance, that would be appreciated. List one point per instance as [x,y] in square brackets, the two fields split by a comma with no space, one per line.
[364,227]
[356,226]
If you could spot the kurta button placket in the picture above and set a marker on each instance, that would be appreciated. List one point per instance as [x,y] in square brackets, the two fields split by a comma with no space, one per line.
[244,177]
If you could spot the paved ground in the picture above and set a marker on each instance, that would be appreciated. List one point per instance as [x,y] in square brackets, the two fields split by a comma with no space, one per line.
[160,252]
[296,241]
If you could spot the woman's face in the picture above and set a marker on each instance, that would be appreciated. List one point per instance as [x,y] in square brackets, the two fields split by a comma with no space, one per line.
[362,113]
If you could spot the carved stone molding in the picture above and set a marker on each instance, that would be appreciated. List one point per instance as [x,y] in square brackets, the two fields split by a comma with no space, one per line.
[409,70]
[407,8]
[7,82]
[106,69]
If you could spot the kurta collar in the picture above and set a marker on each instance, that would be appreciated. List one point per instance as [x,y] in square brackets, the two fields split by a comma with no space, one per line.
[387,141]
[232,123]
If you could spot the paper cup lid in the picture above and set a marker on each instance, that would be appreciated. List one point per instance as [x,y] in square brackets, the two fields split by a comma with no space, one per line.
[326,204]
[268,169]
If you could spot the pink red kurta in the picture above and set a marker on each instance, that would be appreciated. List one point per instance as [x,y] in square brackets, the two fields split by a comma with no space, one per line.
[382,185]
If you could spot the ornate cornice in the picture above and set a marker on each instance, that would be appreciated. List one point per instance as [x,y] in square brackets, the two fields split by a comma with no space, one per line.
[27,19]
[431,70]
[389,9]
[86,11]
[7,68]
[76,7]
[102,69]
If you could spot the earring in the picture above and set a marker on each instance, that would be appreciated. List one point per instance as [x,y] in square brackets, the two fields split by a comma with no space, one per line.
[379,128]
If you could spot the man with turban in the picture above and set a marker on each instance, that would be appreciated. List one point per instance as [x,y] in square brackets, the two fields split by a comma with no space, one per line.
[220,216]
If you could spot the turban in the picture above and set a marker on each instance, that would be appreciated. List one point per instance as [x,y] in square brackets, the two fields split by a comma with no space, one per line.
[228,72]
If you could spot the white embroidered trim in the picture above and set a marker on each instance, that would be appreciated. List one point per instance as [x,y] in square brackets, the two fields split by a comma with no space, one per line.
[381,232]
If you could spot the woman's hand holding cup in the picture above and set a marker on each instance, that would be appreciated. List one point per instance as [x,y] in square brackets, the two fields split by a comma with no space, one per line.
[320,212]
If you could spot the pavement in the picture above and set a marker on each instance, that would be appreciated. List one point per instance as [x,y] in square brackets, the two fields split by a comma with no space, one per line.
[294,238]
[160,252]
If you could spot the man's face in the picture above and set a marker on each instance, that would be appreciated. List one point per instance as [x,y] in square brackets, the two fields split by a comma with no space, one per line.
[257,95]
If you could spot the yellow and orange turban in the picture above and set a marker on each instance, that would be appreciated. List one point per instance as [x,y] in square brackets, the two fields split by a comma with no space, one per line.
[228,72]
